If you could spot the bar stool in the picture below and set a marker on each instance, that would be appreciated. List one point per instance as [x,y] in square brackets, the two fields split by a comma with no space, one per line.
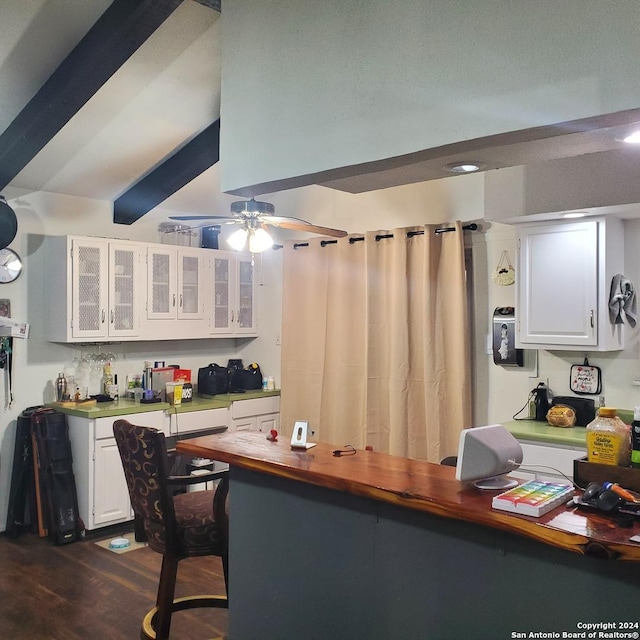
[178,527]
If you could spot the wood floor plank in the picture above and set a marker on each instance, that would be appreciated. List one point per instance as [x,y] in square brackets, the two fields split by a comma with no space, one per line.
[81,590]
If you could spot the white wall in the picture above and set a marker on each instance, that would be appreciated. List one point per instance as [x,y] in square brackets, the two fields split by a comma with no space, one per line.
[499,391]
[325,85]
[502,391]
[607,179]
[36,361]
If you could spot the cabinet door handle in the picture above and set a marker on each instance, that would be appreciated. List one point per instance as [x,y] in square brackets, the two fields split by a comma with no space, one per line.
[233,315]
[104,316]
[174,300]
[591,320]
[113,316]
[181,301]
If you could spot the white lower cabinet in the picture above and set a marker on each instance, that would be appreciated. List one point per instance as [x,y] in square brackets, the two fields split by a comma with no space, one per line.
[103,498]
[546,461]
[195,421]
[258,414]
[110,495]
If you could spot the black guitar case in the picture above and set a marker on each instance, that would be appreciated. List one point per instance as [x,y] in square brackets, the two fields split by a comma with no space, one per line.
[21,512]
[52,451]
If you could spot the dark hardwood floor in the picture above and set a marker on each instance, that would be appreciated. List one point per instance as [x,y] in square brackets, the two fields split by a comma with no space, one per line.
[82,591]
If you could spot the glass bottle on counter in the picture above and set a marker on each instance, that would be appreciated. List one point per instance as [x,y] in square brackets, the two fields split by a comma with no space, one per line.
[107,379]
[608,439]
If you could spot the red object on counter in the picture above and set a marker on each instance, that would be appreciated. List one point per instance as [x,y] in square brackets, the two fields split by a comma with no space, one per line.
[182,375]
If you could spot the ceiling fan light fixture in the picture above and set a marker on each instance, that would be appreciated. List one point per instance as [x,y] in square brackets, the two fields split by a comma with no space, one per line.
[259,240]
[253,206]
[238,239]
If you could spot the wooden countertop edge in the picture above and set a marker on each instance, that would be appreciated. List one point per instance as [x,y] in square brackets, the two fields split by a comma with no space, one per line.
[511,523]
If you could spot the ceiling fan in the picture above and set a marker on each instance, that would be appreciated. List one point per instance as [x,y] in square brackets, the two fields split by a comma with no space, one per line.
[253,216]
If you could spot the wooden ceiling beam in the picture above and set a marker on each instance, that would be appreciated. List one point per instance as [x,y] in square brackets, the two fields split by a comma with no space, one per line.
[198,155]
[115,36]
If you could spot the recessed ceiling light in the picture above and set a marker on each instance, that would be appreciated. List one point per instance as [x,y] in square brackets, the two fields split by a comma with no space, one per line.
[632,138]
[464,166]
[574,214]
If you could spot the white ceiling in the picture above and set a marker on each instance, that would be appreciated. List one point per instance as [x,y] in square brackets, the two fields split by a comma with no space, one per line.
[164,95]
[169,91]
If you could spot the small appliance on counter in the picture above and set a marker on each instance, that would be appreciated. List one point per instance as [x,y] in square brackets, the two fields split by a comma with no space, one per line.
[159,379]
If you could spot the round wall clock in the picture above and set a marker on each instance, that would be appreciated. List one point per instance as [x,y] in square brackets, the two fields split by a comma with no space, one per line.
[10,266]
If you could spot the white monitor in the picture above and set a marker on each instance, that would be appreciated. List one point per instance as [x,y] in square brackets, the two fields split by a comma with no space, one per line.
[486,455]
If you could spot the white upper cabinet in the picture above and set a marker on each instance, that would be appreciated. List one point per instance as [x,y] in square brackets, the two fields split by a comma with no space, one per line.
[232,294]
[101,289]
[175,283]
[176,293]
[563,282]
[94,289]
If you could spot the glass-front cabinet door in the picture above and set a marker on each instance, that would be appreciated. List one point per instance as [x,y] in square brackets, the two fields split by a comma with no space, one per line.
[246,292]
[90,291]
[125,295]
[221,315]
[190,272]
[161,282]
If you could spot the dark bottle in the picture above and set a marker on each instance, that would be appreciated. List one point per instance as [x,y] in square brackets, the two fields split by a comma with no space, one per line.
[635,439]
[541,402]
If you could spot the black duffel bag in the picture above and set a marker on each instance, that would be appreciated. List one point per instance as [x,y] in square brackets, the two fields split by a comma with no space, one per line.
[213,380]
[249,378]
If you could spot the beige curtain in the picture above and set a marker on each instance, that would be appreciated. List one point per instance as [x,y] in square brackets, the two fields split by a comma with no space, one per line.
[375,341]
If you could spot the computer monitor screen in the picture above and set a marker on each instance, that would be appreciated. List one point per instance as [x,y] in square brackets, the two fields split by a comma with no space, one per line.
[486,455]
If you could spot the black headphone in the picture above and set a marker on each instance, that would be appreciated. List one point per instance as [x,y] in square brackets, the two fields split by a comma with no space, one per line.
[600,498]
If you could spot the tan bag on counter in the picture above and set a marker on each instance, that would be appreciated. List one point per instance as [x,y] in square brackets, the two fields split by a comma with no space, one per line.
[560,415]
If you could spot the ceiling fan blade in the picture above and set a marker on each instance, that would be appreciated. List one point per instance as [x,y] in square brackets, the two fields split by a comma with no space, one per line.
[232,218]
[301,225]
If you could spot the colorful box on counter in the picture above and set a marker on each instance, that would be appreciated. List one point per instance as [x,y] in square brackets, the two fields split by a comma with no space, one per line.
[182,375]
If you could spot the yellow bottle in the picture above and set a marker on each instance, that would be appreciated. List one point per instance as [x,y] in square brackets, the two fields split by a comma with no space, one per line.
[608,439]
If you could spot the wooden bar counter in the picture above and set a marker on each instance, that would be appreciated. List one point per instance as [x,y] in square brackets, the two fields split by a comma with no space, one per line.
[377,546]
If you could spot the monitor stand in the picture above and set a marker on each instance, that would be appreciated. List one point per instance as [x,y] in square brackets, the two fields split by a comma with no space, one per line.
[500,483]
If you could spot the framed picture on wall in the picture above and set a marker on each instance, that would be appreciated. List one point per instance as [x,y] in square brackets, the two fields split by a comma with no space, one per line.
[504,338]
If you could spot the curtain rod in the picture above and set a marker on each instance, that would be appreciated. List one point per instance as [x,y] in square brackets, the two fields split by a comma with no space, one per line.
[323,243]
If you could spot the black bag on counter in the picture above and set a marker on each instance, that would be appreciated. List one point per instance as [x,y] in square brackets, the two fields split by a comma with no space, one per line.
[584,407]
[249,378]
[235,368]
[213,380]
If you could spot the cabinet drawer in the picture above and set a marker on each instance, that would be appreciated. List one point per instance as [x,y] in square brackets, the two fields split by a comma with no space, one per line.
[156,419]
[255,407]
[548,456]
[191,421]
